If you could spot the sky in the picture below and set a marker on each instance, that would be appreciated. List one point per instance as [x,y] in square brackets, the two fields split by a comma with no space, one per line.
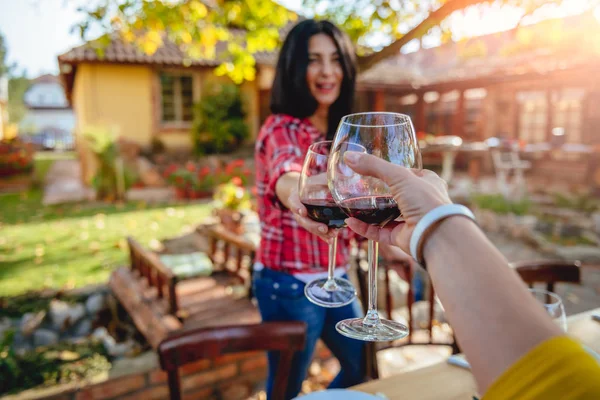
[37,31]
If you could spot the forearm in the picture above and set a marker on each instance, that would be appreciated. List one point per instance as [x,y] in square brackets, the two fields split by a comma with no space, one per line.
[494,317]
[284,187]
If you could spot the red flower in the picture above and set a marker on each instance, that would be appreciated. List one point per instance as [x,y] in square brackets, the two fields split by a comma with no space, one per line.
[190,166]
[246,172]
[237,163]
[205,171]
[236,180]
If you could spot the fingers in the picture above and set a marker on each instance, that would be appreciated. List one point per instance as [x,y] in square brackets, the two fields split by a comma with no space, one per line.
[371,232]
[367,164]
[316,228]
[296,205]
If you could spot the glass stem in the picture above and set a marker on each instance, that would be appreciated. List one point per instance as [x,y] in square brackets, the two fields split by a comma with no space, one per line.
[372,317]
[330,284]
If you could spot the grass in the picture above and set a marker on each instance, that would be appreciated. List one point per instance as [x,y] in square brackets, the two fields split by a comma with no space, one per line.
[74,245]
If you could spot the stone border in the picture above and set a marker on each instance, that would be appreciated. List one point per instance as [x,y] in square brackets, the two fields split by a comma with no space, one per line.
[523,228]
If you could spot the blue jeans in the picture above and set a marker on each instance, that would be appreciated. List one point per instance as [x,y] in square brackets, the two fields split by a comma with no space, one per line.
[281,298]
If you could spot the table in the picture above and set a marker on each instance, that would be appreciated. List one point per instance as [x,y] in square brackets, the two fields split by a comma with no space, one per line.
[449,150]
[445,381]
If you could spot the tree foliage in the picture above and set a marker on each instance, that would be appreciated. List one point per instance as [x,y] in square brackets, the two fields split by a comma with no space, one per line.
[3,50]
[198,26]
[18,84]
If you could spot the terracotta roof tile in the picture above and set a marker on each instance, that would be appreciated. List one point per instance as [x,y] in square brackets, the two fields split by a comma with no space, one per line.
[169,55]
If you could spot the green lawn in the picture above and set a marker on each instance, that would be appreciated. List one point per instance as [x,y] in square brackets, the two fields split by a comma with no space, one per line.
[75,245]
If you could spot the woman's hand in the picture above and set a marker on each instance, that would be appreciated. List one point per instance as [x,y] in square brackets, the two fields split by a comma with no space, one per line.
[300,215]
[416,192]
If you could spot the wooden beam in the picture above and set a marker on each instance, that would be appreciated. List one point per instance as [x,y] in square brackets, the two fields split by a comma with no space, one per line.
[458,120]
[420,121]
[379,100]
[549,115]
[433,19]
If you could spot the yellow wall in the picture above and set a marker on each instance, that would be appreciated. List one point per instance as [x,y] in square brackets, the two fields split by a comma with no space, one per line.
[119,96]
[126,98]
[115,96]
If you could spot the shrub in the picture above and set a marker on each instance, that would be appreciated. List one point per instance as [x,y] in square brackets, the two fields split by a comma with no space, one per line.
[219,125]
[584,202]
[501,205]
[61,363]
[110,181]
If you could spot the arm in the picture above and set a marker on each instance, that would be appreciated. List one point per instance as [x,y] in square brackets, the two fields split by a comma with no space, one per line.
[285,186]
[285,161]
[495,319]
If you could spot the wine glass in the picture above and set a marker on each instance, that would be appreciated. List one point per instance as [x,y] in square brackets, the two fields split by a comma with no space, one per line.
[391,137]
[553,305]
[315,195]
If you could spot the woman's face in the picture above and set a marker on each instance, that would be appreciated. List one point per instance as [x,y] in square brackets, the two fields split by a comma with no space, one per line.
[324,74]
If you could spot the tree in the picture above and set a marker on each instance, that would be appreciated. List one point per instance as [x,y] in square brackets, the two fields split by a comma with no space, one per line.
[4,68]
[17,86]
[251,26]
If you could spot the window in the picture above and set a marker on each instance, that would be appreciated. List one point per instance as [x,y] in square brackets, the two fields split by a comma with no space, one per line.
[533,116]
[568,105]
[177,97]
[566,108]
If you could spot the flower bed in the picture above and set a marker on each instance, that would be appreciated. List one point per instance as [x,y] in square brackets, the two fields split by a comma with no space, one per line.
[16,158]
[196,181]
[55,338]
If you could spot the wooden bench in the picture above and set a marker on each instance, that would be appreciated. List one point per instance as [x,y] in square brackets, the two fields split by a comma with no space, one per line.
[161,304]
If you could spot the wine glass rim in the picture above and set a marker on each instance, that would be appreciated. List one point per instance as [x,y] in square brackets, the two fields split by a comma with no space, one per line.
[556,298]
[315,144]
[406,117]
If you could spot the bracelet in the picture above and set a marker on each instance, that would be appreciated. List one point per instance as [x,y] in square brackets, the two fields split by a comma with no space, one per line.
[429,221]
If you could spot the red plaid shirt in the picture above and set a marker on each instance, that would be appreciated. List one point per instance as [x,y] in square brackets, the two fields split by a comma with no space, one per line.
[285,246]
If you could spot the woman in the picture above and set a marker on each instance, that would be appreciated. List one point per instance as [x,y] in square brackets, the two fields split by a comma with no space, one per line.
[312,90]
[515,349]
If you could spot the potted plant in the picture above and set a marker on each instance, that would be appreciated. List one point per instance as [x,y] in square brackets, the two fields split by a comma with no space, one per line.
[180,178]
[231,201]
[204,183]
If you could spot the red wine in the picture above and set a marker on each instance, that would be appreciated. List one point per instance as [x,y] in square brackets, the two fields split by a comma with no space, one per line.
[326,212]
[374,210]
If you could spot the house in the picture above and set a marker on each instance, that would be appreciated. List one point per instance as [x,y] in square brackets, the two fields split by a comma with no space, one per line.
[149,96]
[3,105]
[49,119]
[532,83]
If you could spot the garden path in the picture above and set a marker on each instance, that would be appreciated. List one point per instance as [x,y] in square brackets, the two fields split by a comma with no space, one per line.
[63,184]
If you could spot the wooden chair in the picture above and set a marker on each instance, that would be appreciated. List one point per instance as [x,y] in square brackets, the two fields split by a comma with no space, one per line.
[371,349]
[285,337]
[148,266]
[504,163]
[549,272]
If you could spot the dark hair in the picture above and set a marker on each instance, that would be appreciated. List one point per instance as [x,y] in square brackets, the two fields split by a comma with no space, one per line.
[290,93]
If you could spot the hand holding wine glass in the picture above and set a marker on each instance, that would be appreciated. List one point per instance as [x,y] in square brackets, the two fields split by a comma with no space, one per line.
[416,192]
[301,216]
[316,198]
[368,199]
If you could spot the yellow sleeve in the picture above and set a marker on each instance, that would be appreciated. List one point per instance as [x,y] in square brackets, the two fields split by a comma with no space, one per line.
[558,368]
